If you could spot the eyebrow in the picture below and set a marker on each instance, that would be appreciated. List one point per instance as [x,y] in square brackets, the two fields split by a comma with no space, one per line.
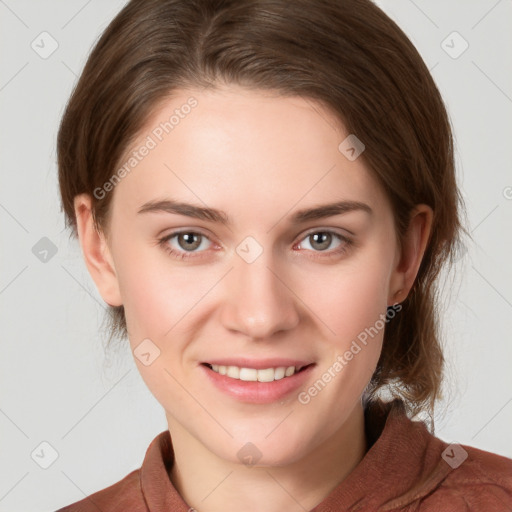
[219,216]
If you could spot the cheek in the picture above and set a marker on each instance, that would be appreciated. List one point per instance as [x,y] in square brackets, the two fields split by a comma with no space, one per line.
[161,304]
[154,294]
[349,299]
[351,302]
[158,300]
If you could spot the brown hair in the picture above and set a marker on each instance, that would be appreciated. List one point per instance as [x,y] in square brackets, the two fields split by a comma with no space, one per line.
[346,54]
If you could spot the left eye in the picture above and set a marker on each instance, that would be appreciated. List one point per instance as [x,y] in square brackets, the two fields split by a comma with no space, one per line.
[321,240]
[187,241]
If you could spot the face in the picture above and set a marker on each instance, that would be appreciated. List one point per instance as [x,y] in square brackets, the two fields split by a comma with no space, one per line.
[259,281]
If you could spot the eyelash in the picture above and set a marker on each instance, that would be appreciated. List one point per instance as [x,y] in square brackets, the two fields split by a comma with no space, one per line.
[342,249]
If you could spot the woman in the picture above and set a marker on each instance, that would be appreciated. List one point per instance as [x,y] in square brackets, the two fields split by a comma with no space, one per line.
[264,194]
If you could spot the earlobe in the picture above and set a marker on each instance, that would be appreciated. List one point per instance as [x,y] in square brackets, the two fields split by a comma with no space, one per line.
[413,248]
[96,252]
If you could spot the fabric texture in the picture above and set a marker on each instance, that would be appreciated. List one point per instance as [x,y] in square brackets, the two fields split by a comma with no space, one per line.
[406,468]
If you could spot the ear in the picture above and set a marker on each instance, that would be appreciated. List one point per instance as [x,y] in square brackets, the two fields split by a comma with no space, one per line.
[96,252]
[414,243]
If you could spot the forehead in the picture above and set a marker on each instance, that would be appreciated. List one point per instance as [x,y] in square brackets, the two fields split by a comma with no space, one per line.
[235,144]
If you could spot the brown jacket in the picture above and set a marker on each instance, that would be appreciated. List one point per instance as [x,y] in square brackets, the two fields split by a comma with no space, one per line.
[405,469]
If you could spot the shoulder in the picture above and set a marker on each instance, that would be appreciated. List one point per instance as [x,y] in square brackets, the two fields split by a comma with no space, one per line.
[477,480]
[120,497]
[428,474]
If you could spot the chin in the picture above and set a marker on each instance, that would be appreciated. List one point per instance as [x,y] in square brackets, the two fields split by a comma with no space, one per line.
[256,451]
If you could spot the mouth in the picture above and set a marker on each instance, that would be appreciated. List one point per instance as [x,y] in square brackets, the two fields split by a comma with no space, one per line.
[246,374]
[263,385]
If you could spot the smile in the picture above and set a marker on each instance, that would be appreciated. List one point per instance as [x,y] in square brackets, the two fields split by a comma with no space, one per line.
[254,375]
[257,386]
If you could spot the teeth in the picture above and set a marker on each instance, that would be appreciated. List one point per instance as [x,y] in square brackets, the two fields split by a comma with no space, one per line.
[233,372]
[253,375]
[289,371]
[279,373]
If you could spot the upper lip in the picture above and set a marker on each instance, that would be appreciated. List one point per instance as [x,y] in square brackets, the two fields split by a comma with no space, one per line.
[259,364]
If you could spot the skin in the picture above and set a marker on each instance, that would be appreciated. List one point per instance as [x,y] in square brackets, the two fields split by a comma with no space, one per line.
[258,157]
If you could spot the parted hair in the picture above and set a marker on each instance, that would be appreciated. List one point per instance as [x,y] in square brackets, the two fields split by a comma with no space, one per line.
[346,54]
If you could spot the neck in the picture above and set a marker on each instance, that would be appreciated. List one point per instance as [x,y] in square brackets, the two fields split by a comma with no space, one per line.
[211,484]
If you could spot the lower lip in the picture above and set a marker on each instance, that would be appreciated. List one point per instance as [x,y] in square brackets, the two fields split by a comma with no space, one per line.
[257,392]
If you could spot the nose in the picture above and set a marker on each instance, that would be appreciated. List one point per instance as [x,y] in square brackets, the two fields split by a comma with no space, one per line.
[258,302]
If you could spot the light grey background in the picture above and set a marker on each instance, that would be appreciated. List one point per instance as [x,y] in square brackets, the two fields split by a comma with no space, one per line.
[56,385]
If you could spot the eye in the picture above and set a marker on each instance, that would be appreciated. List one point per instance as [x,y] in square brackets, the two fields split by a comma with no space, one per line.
[322,241]
[184,242]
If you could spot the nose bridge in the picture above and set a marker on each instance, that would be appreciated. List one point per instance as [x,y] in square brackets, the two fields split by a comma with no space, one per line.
[258,303]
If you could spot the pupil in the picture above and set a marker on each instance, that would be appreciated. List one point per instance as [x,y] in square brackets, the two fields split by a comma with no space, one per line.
[325,237]
[191,240]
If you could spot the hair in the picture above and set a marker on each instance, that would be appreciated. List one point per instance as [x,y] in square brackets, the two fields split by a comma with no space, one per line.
[349,56]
